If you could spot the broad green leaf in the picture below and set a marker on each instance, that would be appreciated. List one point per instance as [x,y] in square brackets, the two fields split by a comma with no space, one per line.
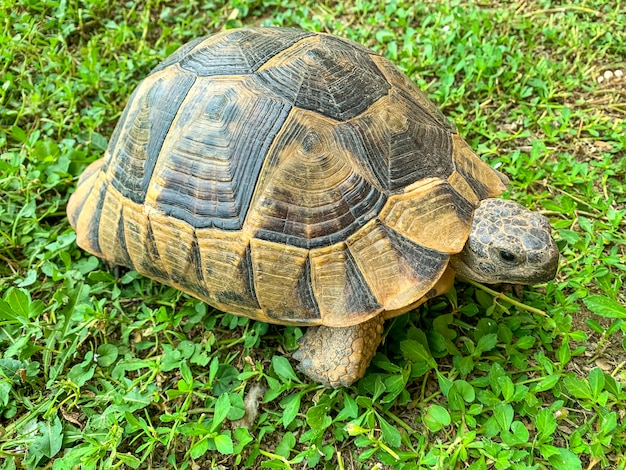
[564,353]
[81,373]
[185,372]
[285,445]
[317,417]
[213,368]
[508,389]
[224,443]
[394,385]
[135,422]
[283,369]
[486,343]
[49,440]
[444,383]
[390,433]
[237,410]
[128,459]
[565,459]
[199,448]
[222,407]
[291,406]
[465,365]
[578,387]
[350,409]
[596,381]
[518,434]
[11,367]
[608,422]
[415,352]
[5,388]
[525,342]
[172,360]
[243,437]
[546,383]
[503,413]
[496,373]
[465,389]
[107,354]
[17,304]
[29,279]
[614,387]
[545,422]
[436,418]
[605,307]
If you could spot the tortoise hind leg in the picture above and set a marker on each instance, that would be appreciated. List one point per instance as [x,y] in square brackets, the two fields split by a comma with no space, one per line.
[337,357]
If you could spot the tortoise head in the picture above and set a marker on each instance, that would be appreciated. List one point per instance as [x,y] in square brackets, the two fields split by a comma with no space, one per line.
[508,243]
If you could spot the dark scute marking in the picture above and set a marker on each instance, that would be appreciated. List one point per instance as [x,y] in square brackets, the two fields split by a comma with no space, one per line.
[432,293]
[247,272]
[211,170]
[406,87]
[231,298]
[118,130]
[238,52]
[73,216]
[479,188]
[120,236]
[141,132]
[287,225]
[330,76]
[398,159]
[463,208]
[145,261]
[151,243]
[196,259]
[249,298]
[94,223]
[193,277]
[359,295]
[309,141]
[424,263]
[309,309]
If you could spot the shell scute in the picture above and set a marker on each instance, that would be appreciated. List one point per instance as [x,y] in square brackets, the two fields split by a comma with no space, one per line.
[139,136]
[321,73]
[214,151]
[310,192]
[238,52]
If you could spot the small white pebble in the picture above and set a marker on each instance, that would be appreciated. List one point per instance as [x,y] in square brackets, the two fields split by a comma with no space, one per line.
[608,75]
[600,79]
[619,73]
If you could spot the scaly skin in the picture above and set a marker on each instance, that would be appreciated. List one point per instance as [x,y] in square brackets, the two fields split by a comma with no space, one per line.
[337,357]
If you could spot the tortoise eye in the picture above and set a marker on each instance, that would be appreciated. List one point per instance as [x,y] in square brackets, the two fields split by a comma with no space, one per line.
[507,256]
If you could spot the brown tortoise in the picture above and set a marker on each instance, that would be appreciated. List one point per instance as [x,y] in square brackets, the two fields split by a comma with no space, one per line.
[299,178]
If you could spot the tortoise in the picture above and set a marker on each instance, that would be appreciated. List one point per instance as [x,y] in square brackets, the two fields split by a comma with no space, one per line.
[299,178]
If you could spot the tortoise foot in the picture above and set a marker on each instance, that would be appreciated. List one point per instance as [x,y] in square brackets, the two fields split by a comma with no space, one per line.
[338,357]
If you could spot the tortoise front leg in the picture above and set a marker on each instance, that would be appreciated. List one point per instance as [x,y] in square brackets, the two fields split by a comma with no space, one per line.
[337,357]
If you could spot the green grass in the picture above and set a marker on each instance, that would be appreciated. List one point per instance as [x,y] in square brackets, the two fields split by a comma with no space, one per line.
[97,372]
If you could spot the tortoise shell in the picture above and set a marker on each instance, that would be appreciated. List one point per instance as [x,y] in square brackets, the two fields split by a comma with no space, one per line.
[288,176]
